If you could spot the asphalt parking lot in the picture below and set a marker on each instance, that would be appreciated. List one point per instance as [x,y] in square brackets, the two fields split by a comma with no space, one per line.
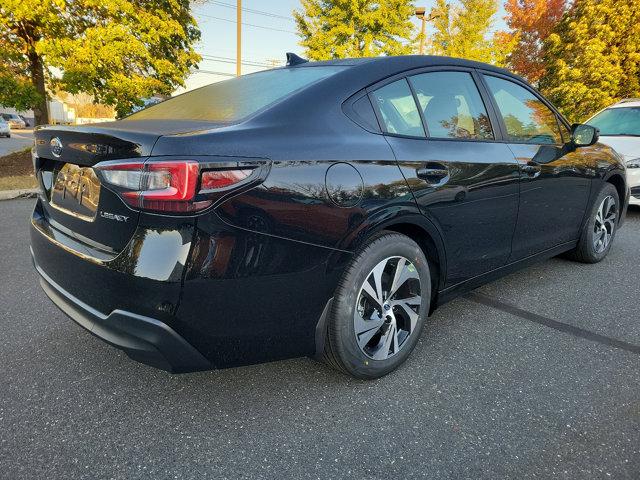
[19,139]
[536,375]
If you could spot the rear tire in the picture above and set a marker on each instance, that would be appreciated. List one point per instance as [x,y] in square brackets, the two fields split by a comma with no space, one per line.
[599,229]
[379,308]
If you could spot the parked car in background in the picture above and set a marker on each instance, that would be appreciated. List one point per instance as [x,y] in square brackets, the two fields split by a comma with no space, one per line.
[322,208]
[26,122]
[14,120]
[5,128]
[619,127]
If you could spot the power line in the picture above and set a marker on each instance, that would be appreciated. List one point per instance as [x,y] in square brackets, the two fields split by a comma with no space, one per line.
[249,64]
[217,58]
[251,10]
[224,74]
[246,24]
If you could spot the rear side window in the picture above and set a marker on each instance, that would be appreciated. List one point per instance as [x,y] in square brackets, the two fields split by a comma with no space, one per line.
[452,105]
[398,110]
[526,117]
[232,100]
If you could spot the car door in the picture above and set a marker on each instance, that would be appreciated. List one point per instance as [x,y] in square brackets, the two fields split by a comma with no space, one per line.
[464,180]
[554,176]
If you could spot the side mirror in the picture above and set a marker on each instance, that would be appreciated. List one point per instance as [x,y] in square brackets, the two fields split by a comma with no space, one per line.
[583,135]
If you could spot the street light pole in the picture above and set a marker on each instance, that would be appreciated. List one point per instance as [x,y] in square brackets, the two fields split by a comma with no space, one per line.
[421,14]
[239,38]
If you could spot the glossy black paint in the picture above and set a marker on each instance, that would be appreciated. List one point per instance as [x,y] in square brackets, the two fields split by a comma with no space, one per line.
[248,279]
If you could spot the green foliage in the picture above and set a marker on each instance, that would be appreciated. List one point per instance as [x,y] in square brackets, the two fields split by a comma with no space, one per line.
[593,57]
[118,51]
[464,31]
[17,92]
[355,28]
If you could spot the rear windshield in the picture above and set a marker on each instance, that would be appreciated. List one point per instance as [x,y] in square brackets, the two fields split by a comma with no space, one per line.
[232,100]
[621,121]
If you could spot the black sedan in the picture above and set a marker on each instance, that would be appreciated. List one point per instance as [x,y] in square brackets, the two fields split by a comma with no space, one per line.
[321,209]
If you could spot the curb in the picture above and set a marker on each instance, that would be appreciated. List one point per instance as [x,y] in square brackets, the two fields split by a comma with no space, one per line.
[22,193]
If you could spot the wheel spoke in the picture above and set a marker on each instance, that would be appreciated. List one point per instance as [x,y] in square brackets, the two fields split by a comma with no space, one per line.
[396,275]
[371,293]
[386,342]
[365,329]
[375,291]
[406,305]
[604,209]
[364,337]
[403,273]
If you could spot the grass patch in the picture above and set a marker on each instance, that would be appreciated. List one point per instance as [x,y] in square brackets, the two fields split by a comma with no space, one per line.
[16,171]
[16,164]
[18,182]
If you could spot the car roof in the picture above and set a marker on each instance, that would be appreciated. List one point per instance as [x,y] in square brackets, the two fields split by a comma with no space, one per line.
[631,102]
[379,68]
[405,62]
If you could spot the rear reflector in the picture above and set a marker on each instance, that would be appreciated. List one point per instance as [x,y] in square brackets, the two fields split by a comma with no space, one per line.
[167,186]
[215,179]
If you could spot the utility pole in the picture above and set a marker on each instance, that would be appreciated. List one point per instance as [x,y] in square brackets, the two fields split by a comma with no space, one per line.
[239,38]
[421,13]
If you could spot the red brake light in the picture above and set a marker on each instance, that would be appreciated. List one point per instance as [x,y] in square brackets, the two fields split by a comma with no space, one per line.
[167,186]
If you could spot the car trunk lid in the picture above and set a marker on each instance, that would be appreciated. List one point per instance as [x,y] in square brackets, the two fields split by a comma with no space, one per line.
[74,200]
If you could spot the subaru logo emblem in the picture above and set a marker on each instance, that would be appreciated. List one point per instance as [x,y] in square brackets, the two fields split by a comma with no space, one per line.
[56,147]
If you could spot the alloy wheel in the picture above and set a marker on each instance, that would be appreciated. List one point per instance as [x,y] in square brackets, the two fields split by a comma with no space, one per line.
[388,308]
[605,224]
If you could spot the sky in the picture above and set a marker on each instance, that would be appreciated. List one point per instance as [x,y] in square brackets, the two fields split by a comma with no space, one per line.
[266,36]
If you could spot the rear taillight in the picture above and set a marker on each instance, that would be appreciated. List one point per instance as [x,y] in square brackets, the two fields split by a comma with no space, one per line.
[168,186]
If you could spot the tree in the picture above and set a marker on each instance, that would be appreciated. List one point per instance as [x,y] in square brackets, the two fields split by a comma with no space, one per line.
[355,28]
[531,22]
[118,51]
[593,57]
[464,31]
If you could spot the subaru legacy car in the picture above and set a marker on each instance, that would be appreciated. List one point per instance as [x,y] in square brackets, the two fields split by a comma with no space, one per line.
[319,209]
[619,127]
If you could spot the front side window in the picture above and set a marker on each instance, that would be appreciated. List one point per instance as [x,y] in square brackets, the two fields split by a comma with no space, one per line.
[526,117]
[452,105]
[619,121]
[398,110]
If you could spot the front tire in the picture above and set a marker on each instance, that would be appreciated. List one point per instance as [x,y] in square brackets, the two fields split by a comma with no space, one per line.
[600,229]
[379,308]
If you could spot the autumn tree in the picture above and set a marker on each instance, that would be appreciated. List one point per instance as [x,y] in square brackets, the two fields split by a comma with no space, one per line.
[593,57]
[465,31]
[355,28]
[530,23]
[118,51]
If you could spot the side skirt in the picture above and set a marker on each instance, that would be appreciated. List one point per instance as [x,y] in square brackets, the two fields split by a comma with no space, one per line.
[456,290]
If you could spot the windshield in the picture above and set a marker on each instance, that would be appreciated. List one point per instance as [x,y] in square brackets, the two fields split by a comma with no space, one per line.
[621,121]
[232,100]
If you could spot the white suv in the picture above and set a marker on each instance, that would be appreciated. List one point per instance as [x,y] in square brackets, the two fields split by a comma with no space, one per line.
[619,127]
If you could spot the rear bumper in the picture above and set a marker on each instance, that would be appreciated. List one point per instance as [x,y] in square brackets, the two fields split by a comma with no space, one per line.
[144,339]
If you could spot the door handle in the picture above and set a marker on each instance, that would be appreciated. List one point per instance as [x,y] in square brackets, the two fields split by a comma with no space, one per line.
[532,169]
[433,173]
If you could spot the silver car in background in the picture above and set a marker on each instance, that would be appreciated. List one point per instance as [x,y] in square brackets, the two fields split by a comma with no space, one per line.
[5,128]
[14,120]
[619,127]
